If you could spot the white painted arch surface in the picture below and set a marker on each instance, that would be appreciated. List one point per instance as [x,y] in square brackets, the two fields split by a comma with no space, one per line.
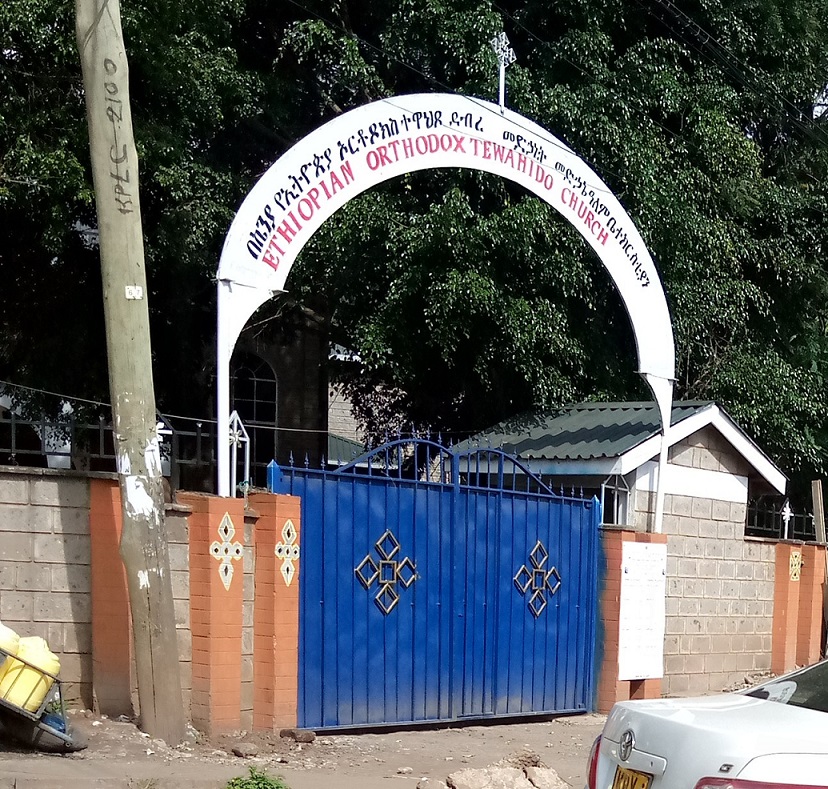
[399,135]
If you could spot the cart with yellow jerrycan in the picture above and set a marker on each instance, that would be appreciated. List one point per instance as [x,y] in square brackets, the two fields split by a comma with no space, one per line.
[32,709]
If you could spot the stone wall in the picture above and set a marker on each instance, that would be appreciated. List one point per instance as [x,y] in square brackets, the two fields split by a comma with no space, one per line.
[44,567]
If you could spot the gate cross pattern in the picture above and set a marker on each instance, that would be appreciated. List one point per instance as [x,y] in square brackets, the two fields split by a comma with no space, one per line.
[537,580]
[388,572]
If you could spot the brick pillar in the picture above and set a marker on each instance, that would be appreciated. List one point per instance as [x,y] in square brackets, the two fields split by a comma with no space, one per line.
[610,689]
[216,594]
[276,612]
[809,635]
[111,622]
[785,608]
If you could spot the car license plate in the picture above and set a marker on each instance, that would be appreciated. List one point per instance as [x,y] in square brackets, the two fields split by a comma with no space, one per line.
[630,779]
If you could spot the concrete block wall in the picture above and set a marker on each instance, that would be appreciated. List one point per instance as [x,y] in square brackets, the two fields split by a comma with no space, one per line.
[44,567]
[178,540]
[609,688]
[720,585]
[719,597]
[249,570]
[61,578]
[798,600]
[341,421]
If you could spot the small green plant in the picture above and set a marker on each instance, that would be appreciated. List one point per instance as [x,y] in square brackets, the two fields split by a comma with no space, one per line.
[258,779]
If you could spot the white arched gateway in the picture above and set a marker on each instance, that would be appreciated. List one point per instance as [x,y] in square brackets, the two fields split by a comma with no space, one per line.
[394,136]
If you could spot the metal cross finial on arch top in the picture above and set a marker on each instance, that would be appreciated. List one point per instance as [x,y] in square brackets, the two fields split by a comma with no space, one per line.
[505,57]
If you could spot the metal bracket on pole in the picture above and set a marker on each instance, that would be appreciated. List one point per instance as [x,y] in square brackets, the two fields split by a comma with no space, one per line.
[787,514]
[238,435]
[505,57]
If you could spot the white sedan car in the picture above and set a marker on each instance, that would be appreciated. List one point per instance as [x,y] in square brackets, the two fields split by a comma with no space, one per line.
[773,736]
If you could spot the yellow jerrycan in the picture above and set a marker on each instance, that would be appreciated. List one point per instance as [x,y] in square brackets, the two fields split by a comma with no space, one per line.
[9,642]
[23,685]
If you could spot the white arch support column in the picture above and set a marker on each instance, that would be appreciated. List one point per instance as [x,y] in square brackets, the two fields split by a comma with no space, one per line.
[403,134]
[236,303]
[663,392]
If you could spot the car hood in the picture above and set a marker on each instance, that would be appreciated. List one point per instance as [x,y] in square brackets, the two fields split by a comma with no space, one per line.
[748,725]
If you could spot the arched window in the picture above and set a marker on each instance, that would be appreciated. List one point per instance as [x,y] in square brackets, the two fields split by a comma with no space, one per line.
[253,391]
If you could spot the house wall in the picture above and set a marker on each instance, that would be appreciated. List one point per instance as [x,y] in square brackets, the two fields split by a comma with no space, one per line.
[341,420]
[708,449]
[44,567]
[720,585]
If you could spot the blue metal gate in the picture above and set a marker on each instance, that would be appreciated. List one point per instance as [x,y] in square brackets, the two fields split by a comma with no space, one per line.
[438,585]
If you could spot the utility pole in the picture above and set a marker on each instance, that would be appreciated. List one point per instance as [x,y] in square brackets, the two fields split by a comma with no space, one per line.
[143,540]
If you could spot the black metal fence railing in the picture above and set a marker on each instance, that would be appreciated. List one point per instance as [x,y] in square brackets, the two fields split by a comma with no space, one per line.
[188,458]
[776,520]
[187,446]
[60,444]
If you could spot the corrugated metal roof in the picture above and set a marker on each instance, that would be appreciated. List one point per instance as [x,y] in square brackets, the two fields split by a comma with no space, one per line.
[343,450]
[586,431]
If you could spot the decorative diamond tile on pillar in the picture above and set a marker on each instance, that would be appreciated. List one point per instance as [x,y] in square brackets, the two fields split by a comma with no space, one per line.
[225,551]
[288,551]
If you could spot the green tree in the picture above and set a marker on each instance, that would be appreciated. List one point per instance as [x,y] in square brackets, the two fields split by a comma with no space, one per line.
[467,299]
[473,301]
[194,109]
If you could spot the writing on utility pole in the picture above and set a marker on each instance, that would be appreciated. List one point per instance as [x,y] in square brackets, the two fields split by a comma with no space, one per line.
[118,151]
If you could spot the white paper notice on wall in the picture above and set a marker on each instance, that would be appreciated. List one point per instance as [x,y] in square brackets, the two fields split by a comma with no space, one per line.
[641,618]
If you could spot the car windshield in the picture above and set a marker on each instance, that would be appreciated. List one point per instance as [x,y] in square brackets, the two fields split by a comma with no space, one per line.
[807,689]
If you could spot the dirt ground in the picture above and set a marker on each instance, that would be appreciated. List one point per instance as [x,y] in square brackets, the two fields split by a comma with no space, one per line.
[119,755]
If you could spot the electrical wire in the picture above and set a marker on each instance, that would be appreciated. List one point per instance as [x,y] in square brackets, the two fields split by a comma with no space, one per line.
[727,62]
[200,420]
[68,398]
[572,63]
[74,399]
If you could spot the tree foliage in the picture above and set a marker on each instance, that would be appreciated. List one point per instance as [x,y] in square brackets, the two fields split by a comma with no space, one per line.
[190,103]
[482,302]
[467,299]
